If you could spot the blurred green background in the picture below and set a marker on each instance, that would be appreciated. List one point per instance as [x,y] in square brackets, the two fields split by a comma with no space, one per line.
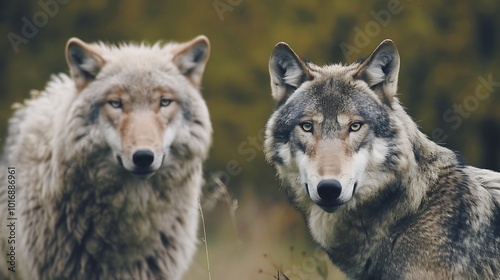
[449,81]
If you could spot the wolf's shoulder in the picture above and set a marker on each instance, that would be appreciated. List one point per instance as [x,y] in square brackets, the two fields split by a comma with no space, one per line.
[46,102]
[57,87]
[488,179]
[472,179]
[34,119]
[457,182]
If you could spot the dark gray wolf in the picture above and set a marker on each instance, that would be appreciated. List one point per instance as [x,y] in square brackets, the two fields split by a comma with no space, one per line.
[383,200]
[108,165]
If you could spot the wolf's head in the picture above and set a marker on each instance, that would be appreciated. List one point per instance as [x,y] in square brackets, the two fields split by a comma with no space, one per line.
[333,134]
[143,101]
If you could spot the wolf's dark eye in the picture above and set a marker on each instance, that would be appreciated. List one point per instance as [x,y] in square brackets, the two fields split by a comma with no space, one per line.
[306,126]
[115,103]
[164,102]
[355,126]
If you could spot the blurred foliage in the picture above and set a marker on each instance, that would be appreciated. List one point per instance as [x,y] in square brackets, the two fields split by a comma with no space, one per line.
[445,46]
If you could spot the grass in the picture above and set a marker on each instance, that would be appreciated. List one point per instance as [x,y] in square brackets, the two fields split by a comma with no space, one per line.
[204,239]
[256,238]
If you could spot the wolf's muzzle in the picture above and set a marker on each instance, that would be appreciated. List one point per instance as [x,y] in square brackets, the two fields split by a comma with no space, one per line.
[143,158]
[329,190]
[143,163]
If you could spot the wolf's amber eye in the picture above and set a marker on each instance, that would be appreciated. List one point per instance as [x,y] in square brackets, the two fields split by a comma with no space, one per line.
[115,103]
[355,126]
[306,126]
[164,102]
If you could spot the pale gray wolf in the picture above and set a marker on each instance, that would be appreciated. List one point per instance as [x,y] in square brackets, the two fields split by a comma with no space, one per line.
[108,165]
[379,197]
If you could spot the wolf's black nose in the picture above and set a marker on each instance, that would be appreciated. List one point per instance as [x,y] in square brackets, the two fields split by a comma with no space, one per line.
[329,189]
[143,158]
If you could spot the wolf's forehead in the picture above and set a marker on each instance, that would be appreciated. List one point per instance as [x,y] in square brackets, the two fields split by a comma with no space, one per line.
[330,95]
[136,58]
[142,64]
[332,85]
[336,95]
[142,51]
[140,72]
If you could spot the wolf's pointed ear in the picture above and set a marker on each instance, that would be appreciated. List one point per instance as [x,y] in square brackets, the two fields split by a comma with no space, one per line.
[287,71]
[380,70]
[84,62]
[192,57]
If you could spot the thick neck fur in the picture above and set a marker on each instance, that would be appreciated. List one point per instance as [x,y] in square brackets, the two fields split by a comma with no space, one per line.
[426,159]
[129,208]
